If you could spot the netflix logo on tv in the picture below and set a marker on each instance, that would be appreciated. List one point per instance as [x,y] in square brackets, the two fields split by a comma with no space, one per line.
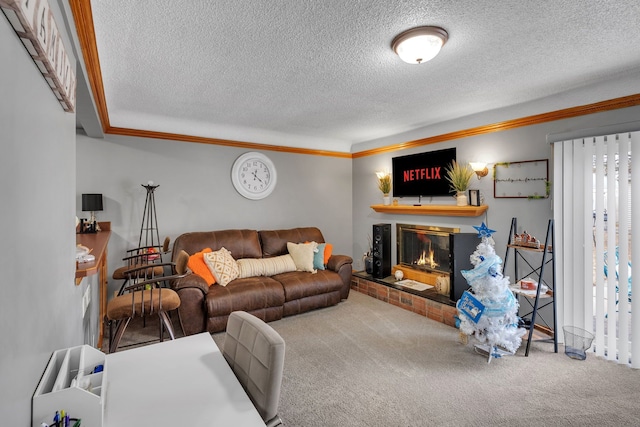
[422,174]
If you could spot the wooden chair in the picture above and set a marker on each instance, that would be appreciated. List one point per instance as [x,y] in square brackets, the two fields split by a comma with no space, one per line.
[255,352]
[146,297]
[142,257]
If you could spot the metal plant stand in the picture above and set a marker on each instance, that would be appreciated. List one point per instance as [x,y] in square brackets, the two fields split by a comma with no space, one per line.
[149,227]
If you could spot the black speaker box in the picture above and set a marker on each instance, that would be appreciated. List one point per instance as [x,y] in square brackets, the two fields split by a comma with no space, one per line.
[381,250]
[462,245]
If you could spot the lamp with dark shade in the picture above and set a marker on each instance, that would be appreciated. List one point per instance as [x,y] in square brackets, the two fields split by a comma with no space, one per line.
[92,203]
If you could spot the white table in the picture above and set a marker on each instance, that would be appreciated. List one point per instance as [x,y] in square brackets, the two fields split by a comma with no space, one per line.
[185,382]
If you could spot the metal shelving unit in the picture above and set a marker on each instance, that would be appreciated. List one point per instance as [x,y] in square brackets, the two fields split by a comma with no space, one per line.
[536,300]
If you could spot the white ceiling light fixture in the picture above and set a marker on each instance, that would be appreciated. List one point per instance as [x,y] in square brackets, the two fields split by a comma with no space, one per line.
[419,44]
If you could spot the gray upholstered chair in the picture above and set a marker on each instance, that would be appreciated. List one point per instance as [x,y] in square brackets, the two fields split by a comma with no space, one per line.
[255,352]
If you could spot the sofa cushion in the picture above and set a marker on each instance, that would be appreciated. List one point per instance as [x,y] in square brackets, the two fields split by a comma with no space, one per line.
[222,265]
[302,305]
[250,267]
[302,254]
[274,242]
[241,243]
[249,294]
[300,284]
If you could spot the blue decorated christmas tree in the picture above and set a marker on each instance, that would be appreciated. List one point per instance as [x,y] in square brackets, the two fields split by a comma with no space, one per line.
[489,311]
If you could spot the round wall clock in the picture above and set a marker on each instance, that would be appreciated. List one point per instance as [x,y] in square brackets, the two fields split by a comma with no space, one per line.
[254,175]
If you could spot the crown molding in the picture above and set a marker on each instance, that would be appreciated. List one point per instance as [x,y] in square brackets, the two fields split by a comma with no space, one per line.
[83,18]
[582,110]
[225,142]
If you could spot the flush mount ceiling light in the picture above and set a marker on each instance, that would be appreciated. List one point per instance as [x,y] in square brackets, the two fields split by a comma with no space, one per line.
[419,44]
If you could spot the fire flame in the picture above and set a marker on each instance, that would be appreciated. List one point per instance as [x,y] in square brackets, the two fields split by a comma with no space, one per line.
[427,260]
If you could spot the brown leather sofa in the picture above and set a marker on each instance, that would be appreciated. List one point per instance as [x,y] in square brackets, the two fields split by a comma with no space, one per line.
[207,308]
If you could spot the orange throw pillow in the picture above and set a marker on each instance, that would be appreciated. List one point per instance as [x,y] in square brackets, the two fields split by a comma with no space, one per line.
[328,249]
[198,266]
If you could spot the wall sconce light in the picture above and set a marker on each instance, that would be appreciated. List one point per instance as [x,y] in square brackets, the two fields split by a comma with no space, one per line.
[479,168]
[420,44]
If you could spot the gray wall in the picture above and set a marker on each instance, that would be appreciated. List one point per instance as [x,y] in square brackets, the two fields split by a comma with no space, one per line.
[527,143]
[40,308]
[196,193]
[40,305]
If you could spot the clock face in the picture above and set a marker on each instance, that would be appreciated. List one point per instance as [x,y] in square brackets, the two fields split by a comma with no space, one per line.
[254,175]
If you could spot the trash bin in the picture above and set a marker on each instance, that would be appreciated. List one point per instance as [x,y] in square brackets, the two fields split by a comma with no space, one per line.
[576,342]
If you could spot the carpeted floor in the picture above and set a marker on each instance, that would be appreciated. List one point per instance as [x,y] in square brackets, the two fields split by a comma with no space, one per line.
[368,363]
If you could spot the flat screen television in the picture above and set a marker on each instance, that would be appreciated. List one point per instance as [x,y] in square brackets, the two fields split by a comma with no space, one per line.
[422,174]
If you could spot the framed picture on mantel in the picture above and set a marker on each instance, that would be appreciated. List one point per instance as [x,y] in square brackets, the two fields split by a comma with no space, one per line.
[474,197]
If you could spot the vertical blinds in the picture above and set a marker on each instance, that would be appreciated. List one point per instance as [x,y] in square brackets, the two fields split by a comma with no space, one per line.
[593,207]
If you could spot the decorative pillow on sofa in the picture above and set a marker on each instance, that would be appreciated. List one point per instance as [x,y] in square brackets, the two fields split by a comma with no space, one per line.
[222,265]
[252,267]
[198,266]
[318,257]
[322,255]
[328,249]
[302,254]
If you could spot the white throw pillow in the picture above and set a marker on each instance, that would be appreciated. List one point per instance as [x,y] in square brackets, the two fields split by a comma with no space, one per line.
[222,265]
[252,267]
[302,254]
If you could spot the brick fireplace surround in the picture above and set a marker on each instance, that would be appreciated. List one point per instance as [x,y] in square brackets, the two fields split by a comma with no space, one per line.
[439,311]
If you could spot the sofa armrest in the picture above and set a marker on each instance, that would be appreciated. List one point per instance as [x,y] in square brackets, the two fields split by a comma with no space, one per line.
[336,262]
[191,281]
[342,264]
[192,290]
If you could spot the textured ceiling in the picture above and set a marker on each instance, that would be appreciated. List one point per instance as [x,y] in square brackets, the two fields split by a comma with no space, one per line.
[321,74]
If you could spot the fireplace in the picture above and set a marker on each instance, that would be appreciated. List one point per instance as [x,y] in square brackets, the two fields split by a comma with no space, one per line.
[436,253]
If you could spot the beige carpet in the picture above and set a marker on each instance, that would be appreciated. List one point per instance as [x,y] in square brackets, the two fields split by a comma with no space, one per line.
[368,363]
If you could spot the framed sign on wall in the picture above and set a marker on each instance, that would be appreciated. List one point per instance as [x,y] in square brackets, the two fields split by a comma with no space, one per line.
[34,24]
[521,180]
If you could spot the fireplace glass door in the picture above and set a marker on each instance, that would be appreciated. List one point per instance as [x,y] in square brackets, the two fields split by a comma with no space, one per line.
[424,249]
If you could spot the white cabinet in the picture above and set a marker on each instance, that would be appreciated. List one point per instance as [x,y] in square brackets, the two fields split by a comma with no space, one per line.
[74,381]
[90,310]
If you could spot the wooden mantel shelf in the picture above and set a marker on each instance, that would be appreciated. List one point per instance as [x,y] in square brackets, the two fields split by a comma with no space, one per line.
[442,210]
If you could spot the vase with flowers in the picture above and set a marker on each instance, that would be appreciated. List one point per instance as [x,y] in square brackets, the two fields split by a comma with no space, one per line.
[384,185]
[367,258]
[459,177]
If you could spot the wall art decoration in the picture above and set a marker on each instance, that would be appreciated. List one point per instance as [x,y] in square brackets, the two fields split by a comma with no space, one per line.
[34,24]
[524,180]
